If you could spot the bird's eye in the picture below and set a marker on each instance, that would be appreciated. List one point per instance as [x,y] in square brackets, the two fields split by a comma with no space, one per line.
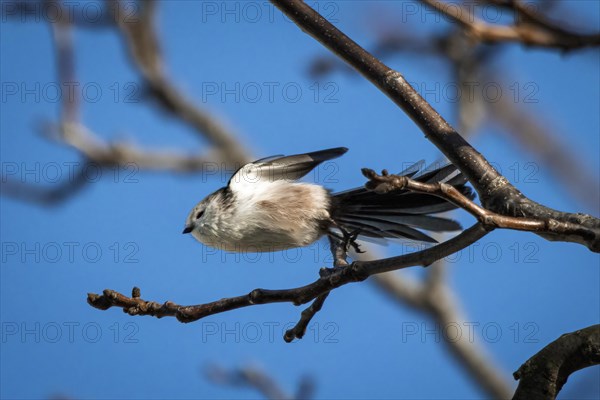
[199,214]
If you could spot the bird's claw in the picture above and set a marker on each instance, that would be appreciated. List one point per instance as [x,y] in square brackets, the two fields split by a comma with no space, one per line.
[349,240]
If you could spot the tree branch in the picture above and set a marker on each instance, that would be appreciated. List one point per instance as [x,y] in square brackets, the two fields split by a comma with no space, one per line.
[530,29]
[386,182]
[495,191]
[46,195]
[298,331]
[332,279]
[543,375]
[474,62]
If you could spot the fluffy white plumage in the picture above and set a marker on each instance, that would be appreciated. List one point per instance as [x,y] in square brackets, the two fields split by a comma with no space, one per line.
[263,208]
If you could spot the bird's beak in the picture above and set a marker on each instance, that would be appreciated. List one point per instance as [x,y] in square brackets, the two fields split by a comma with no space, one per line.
[188,229]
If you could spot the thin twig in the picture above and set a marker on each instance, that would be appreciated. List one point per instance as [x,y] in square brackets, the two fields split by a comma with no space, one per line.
[298,331]
[387,182]
[355,272]
[340,260]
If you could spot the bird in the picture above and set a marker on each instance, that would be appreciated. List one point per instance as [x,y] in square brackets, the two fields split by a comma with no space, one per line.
[264,208]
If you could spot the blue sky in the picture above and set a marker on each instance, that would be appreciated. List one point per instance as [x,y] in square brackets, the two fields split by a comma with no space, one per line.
[123,229]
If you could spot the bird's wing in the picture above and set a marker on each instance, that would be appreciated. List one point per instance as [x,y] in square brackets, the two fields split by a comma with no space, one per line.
[275,168]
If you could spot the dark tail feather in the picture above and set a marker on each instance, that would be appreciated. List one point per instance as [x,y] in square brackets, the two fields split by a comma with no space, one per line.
[400,214]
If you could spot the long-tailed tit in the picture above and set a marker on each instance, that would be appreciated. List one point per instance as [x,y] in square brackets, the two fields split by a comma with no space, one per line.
[263,208]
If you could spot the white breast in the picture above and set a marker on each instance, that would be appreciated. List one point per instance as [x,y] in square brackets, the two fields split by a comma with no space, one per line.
[269,216]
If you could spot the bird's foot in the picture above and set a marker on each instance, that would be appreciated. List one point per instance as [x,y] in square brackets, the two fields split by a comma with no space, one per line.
[349,240]
[340,244]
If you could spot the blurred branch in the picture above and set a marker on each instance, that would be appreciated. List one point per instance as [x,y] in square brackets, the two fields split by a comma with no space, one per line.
[435,299]
[123,154]
[389,43]
[46,195]
[254,377]
[65,65]
[539,138]
[543,375]
[495,191]
[142,41]
[62,35]
[530,28]
[82,139]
